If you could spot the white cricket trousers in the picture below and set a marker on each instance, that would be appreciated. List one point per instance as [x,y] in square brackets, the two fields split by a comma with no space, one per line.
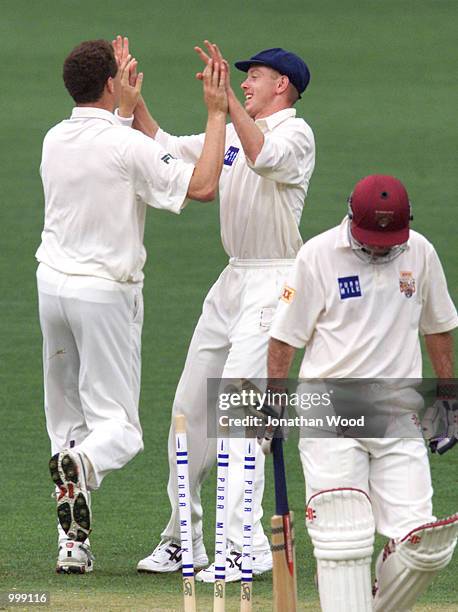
[394,472]
[91,361]
[230,341]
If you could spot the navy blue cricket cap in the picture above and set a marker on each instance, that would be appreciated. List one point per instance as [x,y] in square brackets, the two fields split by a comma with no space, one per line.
[282,61]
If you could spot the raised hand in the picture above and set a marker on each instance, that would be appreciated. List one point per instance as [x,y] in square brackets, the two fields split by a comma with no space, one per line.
[121,48]
[121,51]
[214,81]
[215,54]
[130,92]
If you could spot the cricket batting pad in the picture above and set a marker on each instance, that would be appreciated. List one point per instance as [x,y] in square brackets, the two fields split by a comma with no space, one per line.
[341,525]
[405,568]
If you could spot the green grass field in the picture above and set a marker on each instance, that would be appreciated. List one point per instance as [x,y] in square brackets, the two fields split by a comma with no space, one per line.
[382,99]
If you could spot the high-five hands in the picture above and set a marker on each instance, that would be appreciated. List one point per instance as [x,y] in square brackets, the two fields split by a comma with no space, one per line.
[131,86]
[214,54]
[214,81]
[121,52]
[121,48]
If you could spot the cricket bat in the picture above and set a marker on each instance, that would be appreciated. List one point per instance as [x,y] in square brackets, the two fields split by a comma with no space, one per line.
[282,542]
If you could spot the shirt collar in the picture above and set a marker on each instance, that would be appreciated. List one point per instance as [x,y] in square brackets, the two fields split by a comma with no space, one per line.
[342,240]
[89,112]
[270,122]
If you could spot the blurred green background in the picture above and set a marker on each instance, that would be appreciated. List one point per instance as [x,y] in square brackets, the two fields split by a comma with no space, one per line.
[382,99]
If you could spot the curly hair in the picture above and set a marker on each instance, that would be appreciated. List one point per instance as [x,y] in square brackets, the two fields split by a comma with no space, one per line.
[87,68]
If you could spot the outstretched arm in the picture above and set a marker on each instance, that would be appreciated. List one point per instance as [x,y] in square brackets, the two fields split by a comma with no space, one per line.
[204,182]
[250,135]
[143,121]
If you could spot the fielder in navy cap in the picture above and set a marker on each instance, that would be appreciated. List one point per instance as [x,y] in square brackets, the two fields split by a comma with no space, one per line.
[284,62]
[269,156]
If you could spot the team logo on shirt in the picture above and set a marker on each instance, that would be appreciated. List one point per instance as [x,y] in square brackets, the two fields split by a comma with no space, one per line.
[407,284]
[349,287]
[230,155]
[167,157]
[288,294]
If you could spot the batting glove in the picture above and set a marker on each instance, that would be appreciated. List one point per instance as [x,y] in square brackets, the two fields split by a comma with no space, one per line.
[440,422]
[273,409]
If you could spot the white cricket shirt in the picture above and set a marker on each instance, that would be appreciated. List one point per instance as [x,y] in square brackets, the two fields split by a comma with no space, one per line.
[98,177]
[260,203]
[358,319]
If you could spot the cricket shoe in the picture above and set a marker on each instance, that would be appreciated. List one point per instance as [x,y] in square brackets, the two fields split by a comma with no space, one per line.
[73,508]
[262,562]
[74,558]
[166,557]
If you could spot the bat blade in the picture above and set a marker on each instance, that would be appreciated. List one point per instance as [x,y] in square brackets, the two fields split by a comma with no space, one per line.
[288,533]
[284,563]
[283,550]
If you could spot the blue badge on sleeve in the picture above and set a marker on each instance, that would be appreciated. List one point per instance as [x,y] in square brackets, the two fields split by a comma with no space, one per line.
[349,287]
[230,156]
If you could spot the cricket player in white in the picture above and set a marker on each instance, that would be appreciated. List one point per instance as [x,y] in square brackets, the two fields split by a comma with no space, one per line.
[98,178]
[269,159]
[358,297]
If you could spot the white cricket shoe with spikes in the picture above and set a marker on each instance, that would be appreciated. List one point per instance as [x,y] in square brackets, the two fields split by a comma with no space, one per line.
[73,506]
[74,558]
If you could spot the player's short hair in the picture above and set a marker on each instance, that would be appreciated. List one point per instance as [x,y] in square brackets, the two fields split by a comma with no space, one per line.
[87,69]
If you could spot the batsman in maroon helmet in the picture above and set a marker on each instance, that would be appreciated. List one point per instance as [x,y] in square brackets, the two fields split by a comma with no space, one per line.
[358,299]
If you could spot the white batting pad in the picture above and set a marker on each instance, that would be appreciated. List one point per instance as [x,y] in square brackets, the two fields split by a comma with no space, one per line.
[341,525]
[405,568]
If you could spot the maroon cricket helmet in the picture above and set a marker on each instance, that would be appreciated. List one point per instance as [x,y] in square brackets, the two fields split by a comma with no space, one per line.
[379,211]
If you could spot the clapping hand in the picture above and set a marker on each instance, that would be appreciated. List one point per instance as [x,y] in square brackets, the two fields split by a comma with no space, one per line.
[215,54]
[121,52]
[130,86]
[214,81]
